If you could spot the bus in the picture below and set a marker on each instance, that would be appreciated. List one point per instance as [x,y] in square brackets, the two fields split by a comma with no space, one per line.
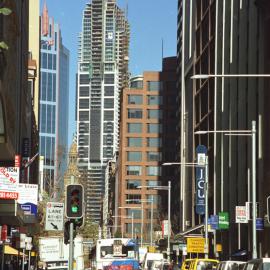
[116,254]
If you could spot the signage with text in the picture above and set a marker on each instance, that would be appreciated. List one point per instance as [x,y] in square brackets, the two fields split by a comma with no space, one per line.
[195,245]
[241,214]
[28,198]
[9,179]
[223,220]
[201,151]
[54,216]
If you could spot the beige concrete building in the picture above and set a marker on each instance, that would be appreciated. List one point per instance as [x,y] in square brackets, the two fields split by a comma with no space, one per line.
[34,49]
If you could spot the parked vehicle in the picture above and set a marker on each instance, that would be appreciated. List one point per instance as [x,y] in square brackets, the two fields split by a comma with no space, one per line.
[230,265]
[150,258]
[258,264]
[199,264]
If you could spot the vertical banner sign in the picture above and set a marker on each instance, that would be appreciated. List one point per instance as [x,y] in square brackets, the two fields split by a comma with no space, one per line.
[25,159]
[17,161]
[201,151]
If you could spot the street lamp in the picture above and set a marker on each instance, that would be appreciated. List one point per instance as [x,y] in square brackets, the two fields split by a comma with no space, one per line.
[168,188]
[208,76]
[132,223]
[251,133]
[196,164]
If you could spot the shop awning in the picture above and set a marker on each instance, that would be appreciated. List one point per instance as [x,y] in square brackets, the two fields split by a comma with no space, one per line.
[11,251]
[11,213]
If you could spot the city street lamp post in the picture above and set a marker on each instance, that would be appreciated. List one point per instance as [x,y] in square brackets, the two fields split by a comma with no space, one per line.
[168,188]
[251,133]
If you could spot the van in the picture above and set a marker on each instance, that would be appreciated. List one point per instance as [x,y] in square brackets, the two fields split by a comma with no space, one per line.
[258,264]
[231,265]
[150,258]
[199,264]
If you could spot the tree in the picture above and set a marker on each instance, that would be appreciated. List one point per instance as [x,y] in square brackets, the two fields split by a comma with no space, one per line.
[4,11]
[89,230]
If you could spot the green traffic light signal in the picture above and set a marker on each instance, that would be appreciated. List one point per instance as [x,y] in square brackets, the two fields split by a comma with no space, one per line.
[74,201]
[74,209]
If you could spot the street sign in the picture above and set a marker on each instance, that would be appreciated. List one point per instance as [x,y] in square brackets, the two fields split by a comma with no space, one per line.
[213,221]
[201,151]
[259,224]
[223,220]
[54,216]
[196,245]
[241,214]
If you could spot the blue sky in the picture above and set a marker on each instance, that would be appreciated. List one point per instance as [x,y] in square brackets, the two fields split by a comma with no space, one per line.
[150,22]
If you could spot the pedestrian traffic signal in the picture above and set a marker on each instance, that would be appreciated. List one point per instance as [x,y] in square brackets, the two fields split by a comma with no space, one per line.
[74,201]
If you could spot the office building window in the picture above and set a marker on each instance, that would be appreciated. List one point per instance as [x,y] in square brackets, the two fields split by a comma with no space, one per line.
[134,142]
[109,90]
[134,170]
[154,128]
[108,115]
[154,114]
[133,184]
[109,78]
[83,116]
[84,79]
[152,183]
[84,103]
[136,213]
[154,156]
[133,198]
[156,199]
[154,100]
[154,142]
[134,127]
[134,156]
[135,113]
[136,228]
[108,103]
[154,86]
[135,99]
[153,170]
[84,91]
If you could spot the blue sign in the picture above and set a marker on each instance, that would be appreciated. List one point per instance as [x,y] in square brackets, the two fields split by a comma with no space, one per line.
[213,221]
[259,224]
[200,180]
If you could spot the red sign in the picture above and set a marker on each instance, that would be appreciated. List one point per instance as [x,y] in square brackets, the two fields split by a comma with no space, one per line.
[9,195]
[4,233]
[18,161]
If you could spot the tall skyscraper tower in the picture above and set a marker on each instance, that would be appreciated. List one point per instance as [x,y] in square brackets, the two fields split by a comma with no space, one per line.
[54,92]
[102,73]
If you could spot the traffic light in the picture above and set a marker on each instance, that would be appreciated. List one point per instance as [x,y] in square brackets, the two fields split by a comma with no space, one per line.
[74,201]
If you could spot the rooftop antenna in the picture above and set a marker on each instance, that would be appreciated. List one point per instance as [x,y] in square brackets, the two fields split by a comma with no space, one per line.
[162,49]
[126,8]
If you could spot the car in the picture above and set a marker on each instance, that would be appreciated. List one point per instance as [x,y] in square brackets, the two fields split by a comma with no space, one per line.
[199,264]
[150,258]
[230,265]
[258,264]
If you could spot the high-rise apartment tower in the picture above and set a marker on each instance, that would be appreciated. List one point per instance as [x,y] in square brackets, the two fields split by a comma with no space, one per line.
[102,73]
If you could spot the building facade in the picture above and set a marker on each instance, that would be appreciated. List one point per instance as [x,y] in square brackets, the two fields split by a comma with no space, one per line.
[224,37]
[147,139]
[54,92]
[102,73]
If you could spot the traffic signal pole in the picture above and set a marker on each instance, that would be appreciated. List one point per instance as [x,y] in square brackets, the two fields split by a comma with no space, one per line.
[71,228]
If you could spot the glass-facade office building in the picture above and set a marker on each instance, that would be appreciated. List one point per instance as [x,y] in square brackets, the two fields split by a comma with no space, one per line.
[54,92]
